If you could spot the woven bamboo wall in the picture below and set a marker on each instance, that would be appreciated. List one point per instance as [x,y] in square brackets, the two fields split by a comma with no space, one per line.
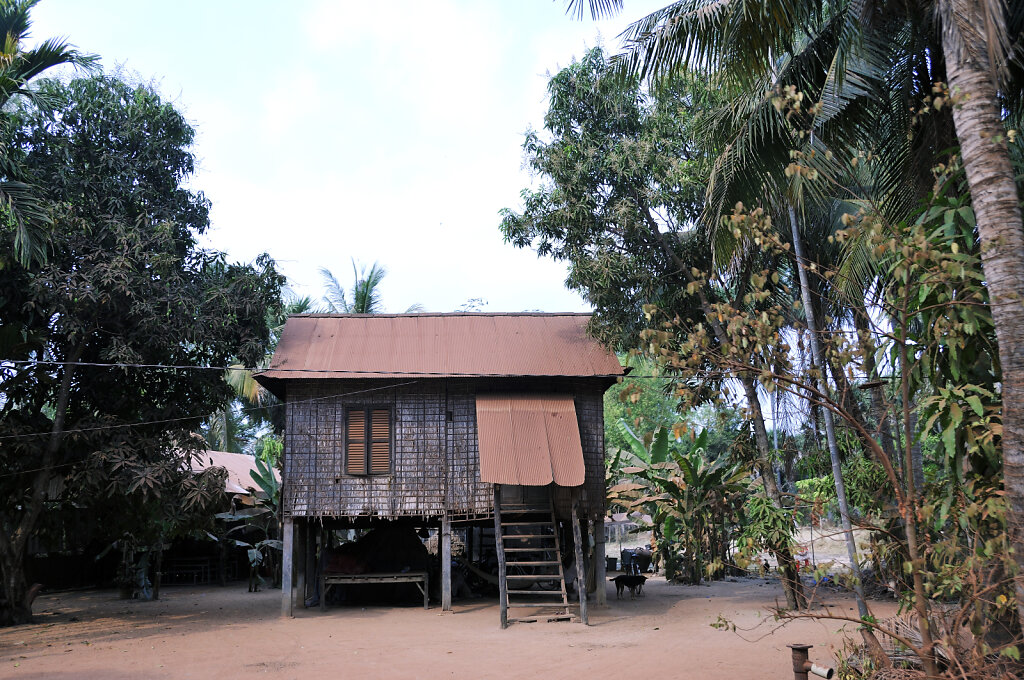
[435,460]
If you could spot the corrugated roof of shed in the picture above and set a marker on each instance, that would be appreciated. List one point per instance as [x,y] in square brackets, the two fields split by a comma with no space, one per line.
[438,345]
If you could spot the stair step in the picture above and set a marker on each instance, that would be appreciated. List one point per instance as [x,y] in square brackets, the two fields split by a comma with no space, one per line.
[545,549]
[525,524]
[510,537]
[547,618]
[533,563]
[542,593]
[538,605]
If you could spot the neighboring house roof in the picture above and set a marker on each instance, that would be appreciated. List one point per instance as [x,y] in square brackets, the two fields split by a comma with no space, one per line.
[437,345]
[529,439]
[238,466]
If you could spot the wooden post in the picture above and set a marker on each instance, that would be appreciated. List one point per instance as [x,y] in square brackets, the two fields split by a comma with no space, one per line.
[499,546]
[600,564]
[310,560]
[324,547]
[300,567]
[286,567]
[446,563]
[581,577]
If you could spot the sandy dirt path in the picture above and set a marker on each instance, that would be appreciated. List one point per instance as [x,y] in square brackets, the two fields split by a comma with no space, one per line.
[220,633]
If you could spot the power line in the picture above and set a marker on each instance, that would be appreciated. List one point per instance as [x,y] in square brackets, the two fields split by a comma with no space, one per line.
[340,371]
[29,435]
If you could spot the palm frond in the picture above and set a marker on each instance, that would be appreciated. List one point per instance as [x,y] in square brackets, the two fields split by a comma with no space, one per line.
[738,39]
[599,9]
[30,220]
[334,294]
[366,290]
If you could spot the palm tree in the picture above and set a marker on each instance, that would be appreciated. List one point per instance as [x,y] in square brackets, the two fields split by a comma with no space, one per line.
[17,67]
[975,56]
[364,298]
[745,40]
[255,400]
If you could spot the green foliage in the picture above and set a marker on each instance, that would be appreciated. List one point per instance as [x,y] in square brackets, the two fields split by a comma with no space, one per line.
[270,488]
[229,429]
[811,125]
[638,399]
[692,502]
[125,282]
[269,449]
[20,208]
[619,163]
[867,488]
[763,526]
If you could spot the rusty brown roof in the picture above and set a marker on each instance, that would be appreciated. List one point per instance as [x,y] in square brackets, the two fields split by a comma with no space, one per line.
[529,439]
[238,465]
[438,345]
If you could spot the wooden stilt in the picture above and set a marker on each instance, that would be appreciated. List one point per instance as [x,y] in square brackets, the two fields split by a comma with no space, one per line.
[300,561]
[581,577]
[287,591]
[322,570]
[500,548]
[310,559]
[588,552]
[446,563]
[600,564]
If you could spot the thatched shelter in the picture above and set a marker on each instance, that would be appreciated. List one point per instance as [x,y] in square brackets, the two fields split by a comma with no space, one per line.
[422,417]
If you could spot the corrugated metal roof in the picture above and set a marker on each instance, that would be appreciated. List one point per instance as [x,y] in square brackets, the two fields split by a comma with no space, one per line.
[238,465]
[529,439]
[438,345]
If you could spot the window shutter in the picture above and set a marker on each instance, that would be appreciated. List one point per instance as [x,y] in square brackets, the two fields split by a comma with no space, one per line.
[380,441]
[368,441]
[355,443]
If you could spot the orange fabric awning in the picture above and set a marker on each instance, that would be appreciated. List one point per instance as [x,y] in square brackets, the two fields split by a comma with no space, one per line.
[529,440]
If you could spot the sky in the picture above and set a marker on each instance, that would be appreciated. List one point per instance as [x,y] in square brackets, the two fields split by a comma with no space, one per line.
[386,132]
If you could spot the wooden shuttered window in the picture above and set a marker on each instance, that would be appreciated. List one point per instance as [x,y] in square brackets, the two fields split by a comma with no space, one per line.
[368,441]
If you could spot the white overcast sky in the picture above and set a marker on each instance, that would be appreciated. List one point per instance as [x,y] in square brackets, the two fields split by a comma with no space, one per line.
[380,131]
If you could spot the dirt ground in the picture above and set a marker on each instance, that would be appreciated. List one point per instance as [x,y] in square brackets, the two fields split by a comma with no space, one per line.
[212,632]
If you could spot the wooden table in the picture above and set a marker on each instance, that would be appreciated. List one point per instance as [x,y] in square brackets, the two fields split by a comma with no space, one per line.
[419,578]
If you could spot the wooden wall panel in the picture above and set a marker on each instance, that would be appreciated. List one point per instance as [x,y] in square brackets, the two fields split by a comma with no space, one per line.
[435,460]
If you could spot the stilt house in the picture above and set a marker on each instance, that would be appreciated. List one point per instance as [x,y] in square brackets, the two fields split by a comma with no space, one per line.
[442,420]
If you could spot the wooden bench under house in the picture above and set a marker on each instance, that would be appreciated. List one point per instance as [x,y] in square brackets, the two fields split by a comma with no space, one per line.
[479,423]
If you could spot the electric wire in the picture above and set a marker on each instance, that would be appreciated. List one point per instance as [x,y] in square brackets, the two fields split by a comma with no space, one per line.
[27,435]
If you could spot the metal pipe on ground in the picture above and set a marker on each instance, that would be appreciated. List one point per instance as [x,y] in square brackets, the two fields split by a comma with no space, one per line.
[802,665]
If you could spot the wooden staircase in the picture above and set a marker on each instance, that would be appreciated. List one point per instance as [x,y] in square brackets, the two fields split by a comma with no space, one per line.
[530,574]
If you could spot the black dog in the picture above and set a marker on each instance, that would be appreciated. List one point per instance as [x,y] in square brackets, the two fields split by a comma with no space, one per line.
[634,582]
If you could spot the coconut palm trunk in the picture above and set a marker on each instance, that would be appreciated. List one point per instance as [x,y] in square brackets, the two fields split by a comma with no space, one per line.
[986,159]
[818,355]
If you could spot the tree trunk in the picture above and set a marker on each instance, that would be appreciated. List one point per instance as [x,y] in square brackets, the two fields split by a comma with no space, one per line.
[994,195]
[879,410]
[788,567]
[18,607]
[916,455]
[791,584]
[818,355]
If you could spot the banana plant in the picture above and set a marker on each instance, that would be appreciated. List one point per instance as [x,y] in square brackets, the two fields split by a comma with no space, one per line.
[690,501]
[265,478]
